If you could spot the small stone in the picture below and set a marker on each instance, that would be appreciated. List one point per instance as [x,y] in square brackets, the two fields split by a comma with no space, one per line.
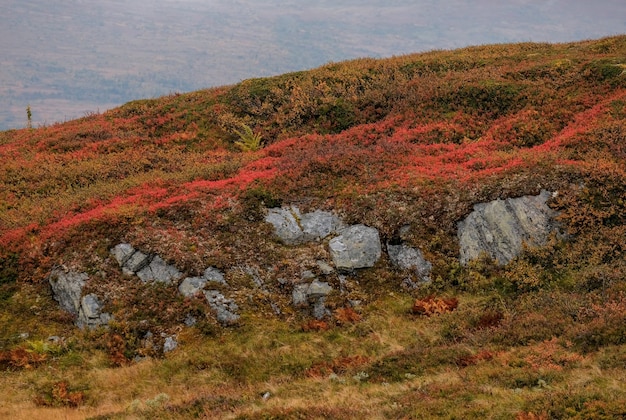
[325,268]
[170,344]
[318,289]
[192,285]
[299,294]
[190,320]
[307,275]
[214,275]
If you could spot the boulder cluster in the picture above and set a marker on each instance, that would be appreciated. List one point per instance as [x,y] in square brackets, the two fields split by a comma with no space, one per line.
[498,229]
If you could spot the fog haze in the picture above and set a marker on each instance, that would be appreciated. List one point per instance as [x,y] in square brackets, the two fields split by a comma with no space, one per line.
[71,57]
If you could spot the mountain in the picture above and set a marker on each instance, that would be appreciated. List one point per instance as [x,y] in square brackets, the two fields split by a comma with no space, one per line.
[249,194]
[68,58]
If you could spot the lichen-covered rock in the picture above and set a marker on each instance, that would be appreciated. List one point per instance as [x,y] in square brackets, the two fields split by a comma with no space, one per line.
[67,288]
[318,289]
[90,314]
[299,294]
[318,225]
[191,285]
[500,227]
[408,258]
[294,228]
[136,262]
[225,309]
[357,246]
[286,224]
[214,275]
[159,271]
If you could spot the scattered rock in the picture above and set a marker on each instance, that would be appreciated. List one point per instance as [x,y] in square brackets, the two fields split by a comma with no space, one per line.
[225,309]
[122,253]
[299,294]
[136,262]
[192,285]
[500,227]
[318,225]
[190,320]
[318,289]
[67,288]
[170,344]
[149,268]
[357,246]
[408,258]
[325,268]
[214,275]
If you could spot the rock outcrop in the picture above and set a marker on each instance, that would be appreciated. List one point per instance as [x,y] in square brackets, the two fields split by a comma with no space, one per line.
[499,228]
[90,313]
[411,259]
[357,246]
[192,285]
[67,289]
[225,309]
[313,296]
[294,228]
[149,268]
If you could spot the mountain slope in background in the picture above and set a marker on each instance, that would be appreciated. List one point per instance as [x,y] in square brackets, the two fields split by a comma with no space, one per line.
[69,58]
[407,145]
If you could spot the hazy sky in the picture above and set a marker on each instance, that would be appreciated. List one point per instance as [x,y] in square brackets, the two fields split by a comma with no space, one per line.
[70,56]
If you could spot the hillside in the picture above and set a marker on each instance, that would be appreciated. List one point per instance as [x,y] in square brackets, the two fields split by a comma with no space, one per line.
[407,147]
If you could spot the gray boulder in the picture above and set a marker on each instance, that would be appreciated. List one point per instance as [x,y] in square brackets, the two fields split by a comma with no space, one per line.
[408,258]
[90,314]
[67,288]
[159,271]
[214,275]
[191,285]
[170,344]
[318,289]
[319,224]
[136,262]
[225,309]
[299,295]
[149,268]
[357,246]
[294,228]
[122,253]
[286,224]
[500,227]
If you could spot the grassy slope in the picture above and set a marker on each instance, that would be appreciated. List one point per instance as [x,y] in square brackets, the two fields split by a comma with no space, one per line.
[413,140]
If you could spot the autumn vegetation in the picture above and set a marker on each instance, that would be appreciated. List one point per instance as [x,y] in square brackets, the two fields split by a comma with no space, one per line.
[412,140]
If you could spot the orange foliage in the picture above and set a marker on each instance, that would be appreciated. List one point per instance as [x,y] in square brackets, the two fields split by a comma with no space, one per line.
[21,358]
[337,366]
[434,306]
[315,325]
[345,316]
